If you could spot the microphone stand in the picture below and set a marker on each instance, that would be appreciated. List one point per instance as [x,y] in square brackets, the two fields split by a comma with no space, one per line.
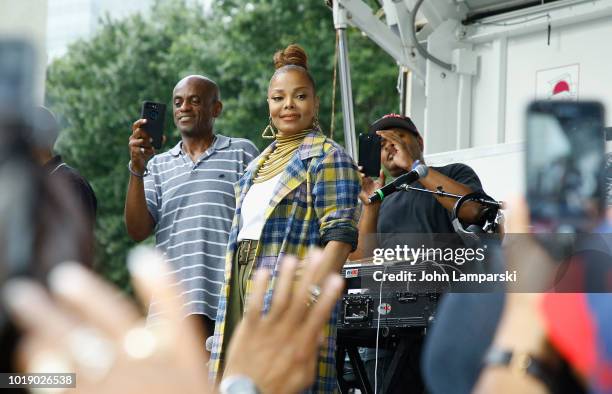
[491,218]
[441,193]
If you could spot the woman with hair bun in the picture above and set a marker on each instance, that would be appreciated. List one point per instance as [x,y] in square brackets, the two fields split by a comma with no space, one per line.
[301,192]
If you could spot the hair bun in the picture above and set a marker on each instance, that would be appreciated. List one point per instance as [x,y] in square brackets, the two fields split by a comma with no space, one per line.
[292,55]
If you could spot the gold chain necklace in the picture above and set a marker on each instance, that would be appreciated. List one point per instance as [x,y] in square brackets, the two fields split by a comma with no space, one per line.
[277,160]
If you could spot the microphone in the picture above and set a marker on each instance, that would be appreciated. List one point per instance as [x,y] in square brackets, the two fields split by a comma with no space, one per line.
[419,171]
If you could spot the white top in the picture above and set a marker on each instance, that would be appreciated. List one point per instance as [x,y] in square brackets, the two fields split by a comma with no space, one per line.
[254,208]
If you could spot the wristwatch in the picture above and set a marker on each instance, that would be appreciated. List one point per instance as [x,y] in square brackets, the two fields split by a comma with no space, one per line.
[238,384]
[522,363]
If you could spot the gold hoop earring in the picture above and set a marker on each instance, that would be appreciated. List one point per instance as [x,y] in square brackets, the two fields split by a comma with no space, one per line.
[269,133]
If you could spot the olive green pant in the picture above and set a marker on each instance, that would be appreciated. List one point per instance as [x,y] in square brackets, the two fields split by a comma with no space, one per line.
[242,267]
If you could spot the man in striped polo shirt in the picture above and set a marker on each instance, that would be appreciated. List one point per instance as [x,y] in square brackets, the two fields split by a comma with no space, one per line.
[186,196]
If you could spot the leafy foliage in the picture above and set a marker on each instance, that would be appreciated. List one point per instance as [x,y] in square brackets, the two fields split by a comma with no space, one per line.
[97,88]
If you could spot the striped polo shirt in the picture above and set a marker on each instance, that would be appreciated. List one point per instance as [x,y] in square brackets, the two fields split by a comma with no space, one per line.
[192,204]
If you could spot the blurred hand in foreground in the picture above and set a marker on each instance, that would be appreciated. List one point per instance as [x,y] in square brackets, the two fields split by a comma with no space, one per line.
[521,329]
[89,328]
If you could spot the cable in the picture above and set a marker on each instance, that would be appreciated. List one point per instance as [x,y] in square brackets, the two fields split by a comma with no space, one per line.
[398,84]
[378,332]
[513,23]
[422,51]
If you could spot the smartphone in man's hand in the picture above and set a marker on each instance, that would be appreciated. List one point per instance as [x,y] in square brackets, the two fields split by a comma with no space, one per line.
[155,114]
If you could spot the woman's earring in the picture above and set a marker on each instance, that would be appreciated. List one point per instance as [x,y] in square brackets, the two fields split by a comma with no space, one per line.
[269,133]
[315,123]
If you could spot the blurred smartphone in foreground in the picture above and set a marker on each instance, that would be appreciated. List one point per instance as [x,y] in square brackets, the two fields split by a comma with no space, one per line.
[18,207]
[17,75]
[155,114]
[369,154]
[565,159]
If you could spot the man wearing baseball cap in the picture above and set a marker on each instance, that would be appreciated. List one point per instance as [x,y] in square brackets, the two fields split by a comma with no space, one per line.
[410,212]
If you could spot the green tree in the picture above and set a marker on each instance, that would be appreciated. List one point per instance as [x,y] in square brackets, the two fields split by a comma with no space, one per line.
[97,88]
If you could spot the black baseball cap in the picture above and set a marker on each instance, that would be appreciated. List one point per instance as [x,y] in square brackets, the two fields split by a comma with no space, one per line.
[391,121]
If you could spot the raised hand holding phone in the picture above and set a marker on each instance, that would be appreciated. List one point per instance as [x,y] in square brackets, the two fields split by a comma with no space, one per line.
[140,147]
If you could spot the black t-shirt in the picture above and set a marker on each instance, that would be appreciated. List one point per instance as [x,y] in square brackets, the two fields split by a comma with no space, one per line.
[416,212]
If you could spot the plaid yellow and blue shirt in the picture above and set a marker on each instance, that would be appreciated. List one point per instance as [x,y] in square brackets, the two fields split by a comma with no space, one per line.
[314,202]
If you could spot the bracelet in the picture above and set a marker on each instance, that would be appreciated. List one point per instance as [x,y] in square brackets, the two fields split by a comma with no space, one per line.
[521,363]
[137,175]
[238,384]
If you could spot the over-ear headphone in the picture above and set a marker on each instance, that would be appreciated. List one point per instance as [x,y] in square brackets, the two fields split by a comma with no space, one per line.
[490,217]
